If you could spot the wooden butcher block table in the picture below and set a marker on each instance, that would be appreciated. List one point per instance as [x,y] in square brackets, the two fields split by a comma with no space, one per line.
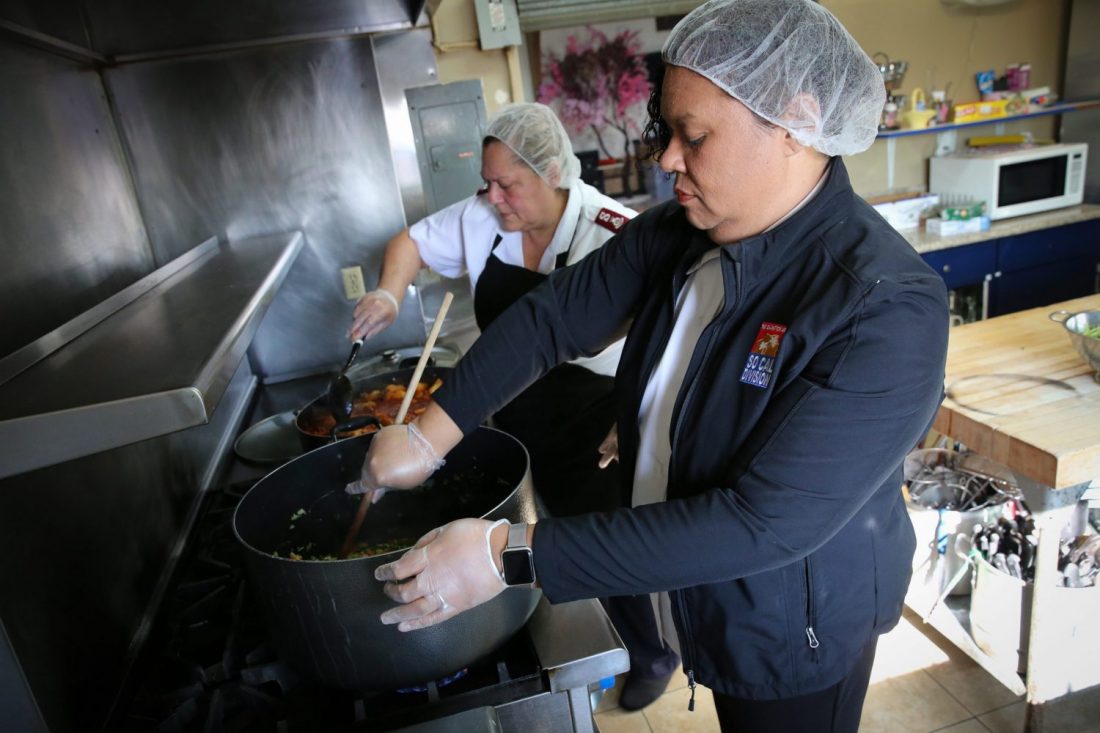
[1019,393]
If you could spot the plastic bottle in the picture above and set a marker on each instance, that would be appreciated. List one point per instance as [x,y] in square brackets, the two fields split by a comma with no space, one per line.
[940,104]
[1023,77]
[890,116]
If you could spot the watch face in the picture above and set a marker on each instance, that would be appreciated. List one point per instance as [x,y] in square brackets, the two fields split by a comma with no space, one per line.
[519,569]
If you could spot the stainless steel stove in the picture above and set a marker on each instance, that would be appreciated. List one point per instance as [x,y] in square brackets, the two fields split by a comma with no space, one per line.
[209,665]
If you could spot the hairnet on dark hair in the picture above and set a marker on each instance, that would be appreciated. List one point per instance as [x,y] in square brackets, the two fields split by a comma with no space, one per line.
[789,61]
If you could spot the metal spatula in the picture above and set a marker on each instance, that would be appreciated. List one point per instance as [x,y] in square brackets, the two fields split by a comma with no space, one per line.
[341,394]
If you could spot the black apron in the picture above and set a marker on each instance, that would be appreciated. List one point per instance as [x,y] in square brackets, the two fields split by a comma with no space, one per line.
[563,417]
[561,420]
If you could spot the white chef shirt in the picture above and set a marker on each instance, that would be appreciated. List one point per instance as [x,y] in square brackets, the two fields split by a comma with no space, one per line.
[699,301]
[457,240]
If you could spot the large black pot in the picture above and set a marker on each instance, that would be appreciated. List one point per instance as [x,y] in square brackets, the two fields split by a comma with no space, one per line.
[311,420]
[323,615]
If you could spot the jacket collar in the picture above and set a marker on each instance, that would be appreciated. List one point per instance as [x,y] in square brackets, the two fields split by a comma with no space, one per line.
[818,208]
[772,249]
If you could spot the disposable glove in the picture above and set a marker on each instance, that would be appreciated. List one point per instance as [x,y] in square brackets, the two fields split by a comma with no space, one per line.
[449,570]
[374,313]
[609,448]
[400,457]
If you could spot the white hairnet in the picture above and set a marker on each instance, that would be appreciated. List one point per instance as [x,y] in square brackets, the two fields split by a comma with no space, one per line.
[535,134]
[789,61]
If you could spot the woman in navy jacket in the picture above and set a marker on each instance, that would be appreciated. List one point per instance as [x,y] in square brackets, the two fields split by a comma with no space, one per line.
[785,350]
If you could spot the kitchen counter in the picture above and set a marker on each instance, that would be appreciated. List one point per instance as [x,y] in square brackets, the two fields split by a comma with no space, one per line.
[1018,393]
[924,242]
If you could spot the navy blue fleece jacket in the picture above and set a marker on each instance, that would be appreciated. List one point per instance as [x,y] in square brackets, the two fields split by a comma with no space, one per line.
[784,540]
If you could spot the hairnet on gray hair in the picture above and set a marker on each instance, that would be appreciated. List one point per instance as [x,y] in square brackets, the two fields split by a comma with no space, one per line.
[789,61]
[535,134]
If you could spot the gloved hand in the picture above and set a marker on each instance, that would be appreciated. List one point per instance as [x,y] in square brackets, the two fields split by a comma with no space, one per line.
[400,457]
[374,313]
[609,448]
[449,570]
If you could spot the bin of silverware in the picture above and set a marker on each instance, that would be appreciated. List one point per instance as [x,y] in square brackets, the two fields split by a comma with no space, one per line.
[951,494]
[1003,556]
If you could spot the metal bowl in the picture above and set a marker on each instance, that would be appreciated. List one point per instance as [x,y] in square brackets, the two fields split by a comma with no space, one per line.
[893,72]
[1087,346]
[938,478]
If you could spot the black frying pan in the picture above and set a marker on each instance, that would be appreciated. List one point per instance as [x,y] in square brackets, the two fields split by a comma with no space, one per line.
[316,426]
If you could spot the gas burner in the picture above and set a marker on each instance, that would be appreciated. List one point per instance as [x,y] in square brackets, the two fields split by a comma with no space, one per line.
[437,683]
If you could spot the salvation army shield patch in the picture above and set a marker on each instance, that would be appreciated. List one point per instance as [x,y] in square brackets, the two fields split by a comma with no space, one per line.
[761,362]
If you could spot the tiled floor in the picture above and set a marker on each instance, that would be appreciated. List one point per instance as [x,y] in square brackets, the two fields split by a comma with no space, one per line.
[920,683]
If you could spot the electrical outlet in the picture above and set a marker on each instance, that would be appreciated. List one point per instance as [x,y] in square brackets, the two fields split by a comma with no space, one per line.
[353,282]
[946,142]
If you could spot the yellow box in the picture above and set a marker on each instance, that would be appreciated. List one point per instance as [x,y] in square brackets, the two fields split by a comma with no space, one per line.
[971,111]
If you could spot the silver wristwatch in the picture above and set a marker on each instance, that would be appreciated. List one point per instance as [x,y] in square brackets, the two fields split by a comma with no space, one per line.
[517,562]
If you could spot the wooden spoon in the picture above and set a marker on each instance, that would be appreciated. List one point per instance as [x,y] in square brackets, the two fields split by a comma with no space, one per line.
[365,502]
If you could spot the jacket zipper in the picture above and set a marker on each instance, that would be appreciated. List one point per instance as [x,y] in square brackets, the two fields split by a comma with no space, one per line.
[653,356]
[811,636]
[686,644]
[686,647]
[713,329]
[709,333]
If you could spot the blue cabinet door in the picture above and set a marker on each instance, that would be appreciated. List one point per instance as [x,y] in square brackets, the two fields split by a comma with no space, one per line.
[962,266]
[1027,270]
[1044,267]
[1041,285]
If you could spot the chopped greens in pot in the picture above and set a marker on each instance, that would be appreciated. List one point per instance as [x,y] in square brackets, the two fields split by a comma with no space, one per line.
[362,549]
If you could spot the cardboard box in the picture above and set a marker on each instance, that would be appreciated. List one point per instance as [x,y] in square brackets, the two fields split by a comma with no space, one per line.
[991,109]
[906,213]
[963,212]
[973,111]
[951,227]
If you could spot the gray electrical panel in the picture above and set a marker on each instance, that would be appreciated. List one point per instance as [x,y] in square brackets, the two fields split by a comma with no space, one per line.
[448,123]
[497,23]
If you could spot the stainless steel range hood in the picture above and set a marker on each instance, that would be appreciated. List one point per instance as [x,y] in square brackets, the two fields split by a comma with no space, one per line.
[123,29]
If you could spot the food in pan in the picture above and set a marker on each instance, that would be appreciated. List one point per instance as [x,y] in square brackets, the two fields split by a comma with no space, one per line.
[380,403]
[1091,332]
[362,549]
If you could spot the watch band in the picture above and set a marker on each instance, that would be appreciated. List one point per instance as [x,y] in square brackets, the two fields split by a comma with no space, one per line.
[517,562]
[517,536]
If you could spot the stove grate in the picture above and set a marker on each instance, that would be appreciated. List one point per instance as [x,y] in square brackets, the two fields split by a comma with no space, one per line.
[209,665]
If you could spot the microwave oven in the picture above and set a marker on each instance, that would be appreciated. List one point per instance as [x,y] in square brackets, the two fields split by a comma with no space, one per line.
[1012,182]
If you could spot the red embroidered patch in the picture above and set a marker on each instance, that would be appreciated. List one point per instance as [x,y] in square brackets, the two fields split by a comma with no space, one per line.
[611,220]
[761,362]
[768,339]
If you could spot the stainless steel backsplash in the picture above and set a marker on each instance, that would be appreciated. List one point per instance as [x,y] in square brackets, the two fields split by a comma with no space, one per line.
[129,133]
